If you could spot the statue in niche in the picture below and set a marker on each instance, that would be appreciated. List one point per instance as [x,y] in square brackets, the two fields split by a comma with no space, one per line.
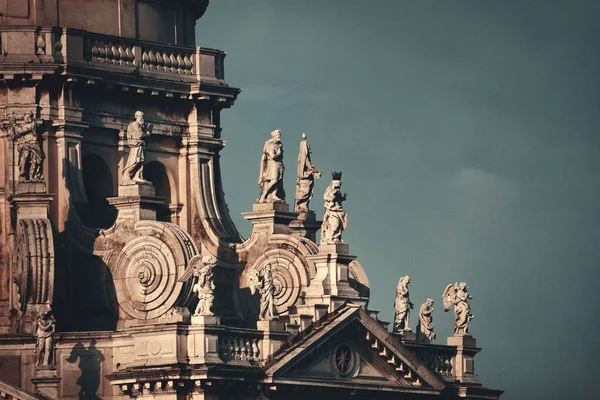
[305,179]
[44,348]
[402,305]
[263,281]
[29,147]
[202,269]
[335,219]
[457,294]
[137,133]
[425,331]
[270,179]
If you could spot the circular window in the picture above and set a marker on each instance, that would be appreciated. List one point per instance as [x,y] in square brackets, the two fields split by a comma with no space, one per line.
[343,360]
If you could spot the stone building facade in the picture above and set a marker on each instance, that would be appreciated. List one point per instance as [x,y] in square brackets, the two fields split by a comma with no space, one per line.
[121,272]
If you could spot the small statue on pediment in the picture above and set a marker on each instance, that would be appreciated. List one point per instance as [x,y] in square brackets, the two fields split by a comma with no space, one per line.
[305,178]
[402,305]
[457,294]
[335,219]
[270,178]
[202,270]
[425,331]
[29,147]
[137,133]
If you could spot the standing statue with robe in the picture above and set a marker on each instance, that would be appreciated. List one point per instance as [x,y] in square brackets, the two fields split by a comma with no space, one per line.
[44,347]
[425,331]
[137,133]
[270,178]
[305,178]
[457,294]
[263,282]
[29,147]
[335,219]
[402,305]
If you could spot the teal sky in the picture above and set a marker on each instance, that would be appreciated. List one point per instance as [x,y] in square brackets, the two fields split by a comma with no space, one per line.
[468,133]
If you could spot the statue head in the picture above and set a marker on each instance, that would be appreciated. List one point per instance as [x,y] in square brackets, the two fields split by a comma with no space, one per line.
[209,260]
[429,302]
[139,117]
[28,117]
[276,134]
[405,280]
[463,286]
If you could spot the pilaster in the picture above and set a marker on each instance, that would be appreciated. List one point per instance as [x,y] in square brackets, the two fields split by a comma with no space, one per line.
[464,365]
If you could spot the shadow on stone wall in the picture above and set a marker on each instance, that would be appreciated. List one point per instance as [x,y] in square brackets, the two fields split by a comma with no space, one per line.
[90,364]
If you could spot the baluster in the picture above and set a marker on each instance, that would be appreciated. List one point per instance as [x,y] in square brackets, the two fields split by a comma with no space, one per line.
[242,349]
[122,55]
[129,57]
[180,64]
[167,61]
[152,62]
[95,52]
[116,55]
[173,62]
[159,61]
[255,350]
[145,60]
[188,64]
[109,53]
[101,53]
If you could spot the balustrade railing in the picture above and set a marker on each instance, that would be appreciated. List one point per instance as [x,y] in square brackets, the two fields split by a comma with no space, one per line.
[437,358]
[237,346]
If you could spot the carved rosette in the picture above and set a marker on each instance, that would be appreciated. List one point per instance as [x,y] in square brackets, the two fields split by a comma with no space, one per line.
[33,270]
[290,278]
[147,270]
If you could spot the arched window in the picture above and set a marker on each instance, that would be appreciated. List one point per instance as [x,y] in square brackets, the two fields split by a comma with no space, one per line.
[98,185]
[155,172]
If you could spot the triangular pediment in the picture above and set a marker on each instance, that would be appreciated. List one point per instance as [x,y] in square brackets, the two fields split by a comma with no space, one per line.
[353,350]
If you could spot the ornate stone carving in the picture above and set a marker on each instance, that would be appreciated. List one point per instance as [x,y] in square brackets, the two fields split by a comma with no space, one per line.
[335,219]
[148,268]
[137,133]
[402,305]
[263,281]
[305,178]
[202,269]
[457,294]
[44,347]
[270,179]
[425,331]
[33,270]
[29,147]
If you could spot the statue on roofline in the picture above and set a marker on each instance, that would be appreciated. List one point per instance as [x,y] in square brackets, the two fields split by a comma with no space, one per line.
[402,305]
[457,294]
[335,219]
[305,178]
[270,178]
[425,331]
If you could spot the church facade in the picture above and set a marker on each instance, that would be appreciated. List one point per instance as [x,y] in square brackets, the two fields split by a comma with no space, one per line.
[122,274]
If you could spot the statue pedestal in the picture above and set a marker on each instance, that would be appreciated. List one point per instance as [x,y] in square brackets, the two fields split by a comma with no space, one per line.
[45,381]
[137,202]
[306,225]
[331,285]
[202,320]
[274,336]
[31,200]
[203,340]
[406,336]
[466,349]
[270,218]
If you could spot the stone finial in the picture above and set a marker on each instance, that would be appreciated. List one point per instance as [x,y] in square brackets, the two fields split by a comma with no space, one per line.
[425,331]
[202,269]
[44,348]
[305,177]
[335,219]
[270,178]
[457,294]
[263,282]
[28,145]
[137,133]
[402,305]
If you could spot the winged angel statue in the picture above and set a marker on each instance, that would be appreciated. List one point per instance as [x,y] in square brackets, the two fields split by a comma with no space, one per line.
[457,294]
[202,268]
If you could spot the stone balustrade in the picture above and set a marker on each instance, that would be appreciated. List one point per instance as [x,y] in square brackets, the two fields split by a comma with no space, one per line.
[240,346]
[76,48]
[437,358]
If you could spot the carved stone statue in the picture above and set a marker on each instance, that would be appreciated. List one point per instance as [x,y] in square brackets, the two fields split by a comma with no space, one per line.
[305,179]
[335,219]
[457,294]
[402,305]
[44,347]
[137,132]
[270,179]
[263,281]
[204,286]
[29,147]
[425,331]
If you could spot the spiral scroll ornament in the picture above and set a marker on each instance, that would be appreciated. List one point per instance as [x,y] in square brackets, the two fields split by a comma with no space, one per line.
[146,276]
[290,277]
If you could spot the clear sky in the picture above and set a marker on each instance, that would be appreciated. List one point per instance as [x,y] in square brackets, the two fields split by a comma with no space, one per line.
[468,133]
